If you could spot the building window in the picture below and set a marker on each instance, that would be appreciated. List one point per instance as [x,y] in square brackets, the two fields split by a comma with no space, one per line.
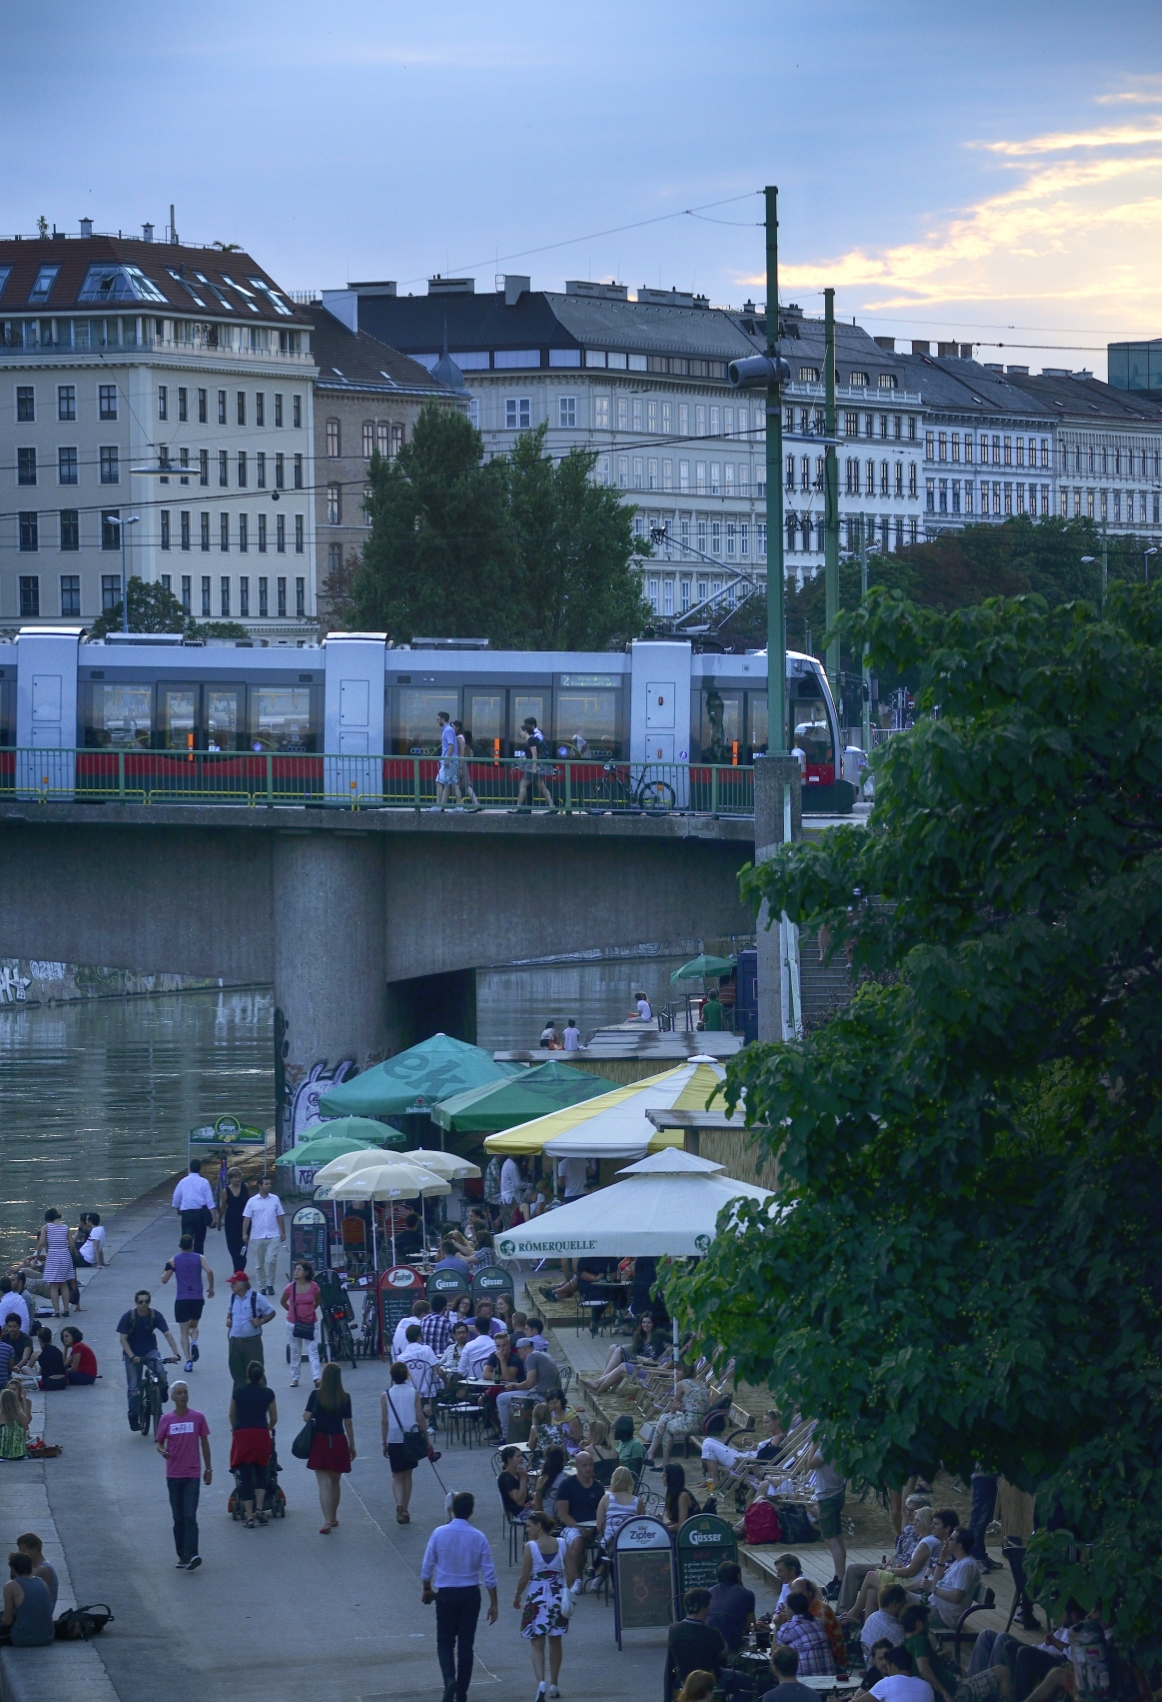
[667,475]
[280,535]
[260,470]
[334,505]
[942,439]
[715,421]
[731,537]
[968,496]
[652,473]
[204,534]
[300,597]
[716,537]
[203,466]
[262,534]
[956,496]
[162,402]
[263,597]
[241,400]
[899,478]
[683,419]
[652,420]
[243,533]
[667,417]
[715,478]
[333,439]
[603,466]
[206,583]
[296,410]
[368,439]
[298,472]
[931,494]
[185,528]
[66,466]
[280,472]
[183,402]
[221,407]
[202,399]
[518,413]
[383,438]
[280,588]
[259,408]
[223,532]
[70,594]
[300,536]
[242,471]
[70,519]
[244,597]
[870,479]
[29,532]
[186,600]
[25,403]
[684,475]
[912,479]
[107,401]
[277,408]
[165,528]
[223,469]
[567,412]
[883,478]
[26,466]
[601,413]
[66,402]
[637,413]
[224,596]
[29,596]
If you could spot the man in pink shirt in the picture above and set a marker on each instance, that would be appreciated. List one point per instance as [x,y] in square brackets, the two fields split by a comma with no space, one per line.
[179,1434]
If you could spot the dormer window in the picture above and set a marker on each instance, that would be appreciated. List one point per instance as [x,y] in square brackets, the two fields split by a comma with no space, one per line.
[45,279]
[857,380]
[887,381]
[808,375]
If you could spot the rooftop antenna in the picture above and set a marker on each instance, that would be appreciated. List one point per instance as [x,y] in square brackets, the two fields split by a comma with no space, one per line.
[173,235]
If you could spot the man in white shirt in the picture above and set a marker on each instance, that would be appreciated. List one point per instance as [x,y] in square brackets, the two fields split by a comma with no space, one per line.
[572,1176]
[899,1685]
[93,1246]
[511,1182]
[194,1198]
[955,1583]
[421,1363]
[455,1560]
[12,1300]
[572,1036]
[420,1309]
[263,1232]
[476,1355]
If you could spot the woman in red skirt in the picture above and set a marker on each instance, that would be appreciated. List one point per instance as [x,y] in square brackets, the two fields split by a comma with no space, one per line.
[333,1447]
[252,1413]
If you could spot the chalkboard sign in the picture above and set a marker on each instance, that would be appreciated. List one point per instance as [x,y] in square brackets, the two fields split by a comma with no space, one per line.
[704,1542]
[308,1237]
[448,1283]
[643,1576]
[398,1287]
[490,1283]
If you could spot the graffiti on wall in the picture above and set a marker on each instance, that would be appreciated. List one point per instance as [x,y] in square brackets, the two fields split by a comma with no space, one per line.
[13,986]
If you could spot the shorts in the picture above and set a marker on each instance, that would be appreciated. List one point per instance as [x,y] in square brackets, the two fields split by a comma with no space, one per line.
[187,1311]
[448,773]
[979,1687]
[829,1515]
[398,1458]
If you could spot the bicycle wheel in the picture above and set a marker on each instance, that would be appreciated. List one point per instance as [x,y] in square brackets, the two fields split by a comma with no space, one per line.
[657,797]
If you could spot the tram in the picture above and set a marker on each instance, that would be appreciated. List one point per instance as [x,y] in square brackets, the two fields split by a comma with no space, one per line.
[138,701]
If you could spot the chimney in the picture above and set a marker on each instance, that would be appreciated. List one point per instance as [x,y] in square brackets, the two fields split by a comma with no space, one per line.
[147,233]
[948,351]
[451,286]
[966,351]
[515,285]
[86,227]
[172,235]
[921,348]
[887,344]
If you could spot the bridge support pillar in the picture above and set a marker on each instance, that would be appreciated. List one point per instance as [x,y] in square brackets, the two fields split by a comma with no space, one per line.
[330,966]
[777,819]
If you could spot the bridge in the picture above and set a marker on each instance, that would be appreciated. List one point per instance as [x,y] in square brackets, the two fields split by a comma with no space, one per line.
[368,924]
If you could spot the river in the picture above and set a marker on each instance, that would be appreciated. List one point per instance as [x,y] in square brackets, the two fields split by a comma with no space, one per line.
[96,1096]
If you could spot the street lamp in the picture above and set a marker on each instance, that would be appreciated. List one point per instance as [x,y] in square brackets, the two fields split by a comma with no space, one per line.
[129,520]
[1146,554]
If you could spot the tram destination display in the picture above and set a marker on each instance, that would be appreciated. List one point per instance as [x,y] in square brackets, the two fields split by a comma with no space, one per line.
[704,1542]
[643,1570]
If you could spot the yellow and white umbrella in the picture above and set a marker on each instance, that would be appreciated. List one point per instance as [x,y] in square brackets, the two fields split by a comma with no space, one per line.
[615,1124]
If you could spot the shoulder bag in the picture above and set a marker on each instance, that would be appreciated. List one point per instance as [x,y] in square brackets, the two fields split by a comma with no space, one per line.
[301,1446]
[415,1444]
[302,1332]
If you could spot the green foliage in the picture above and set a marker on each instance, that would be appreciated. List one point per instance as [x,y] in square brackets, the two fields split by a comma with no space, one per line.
[528,554]
[970,1263]
[151,609]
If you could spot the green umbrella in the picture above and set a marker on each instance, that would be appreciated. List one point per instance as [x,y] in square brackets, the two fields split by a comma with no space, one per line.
[503,1104]
[414,1080]
[700,967]
[343,1134]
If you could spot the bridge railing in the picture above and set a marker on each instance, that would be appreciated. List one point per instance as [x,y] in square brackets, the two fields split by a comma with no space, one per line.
[576,786]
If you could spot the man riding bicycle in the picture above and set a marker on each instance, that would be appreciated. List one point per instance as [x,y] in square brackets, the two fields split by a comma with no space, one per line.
[137,1333]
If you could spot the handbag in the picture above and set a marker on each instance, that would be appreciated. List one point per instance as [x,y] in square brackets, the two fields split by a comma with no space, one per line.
[415,1444]
[82,1622]
[301,1446]
[303,1332]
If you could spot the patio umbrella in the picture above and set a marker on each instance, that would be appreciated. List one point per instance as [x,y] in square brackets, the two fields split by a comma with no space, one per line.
[505,1104]
[414,1080]
[327,1141]
[700,967]
[347,1163]
[394,1179]
[614,1125]
[666,1205]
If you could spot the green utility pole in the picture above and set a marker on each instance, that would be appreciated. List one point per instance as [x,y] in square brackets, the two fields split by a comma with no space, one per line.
[863,599]
[1105,562]
[776,604]
[831,496]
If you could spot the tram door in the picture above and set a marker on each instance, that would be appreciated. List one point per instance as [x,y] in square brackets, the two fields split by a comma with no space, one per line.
[224,717]
[484,723]
[525,704]
[178,718]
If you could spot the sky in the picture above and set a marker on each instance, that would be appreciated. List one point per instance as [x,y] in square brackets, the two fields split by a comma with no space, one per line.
[983,172]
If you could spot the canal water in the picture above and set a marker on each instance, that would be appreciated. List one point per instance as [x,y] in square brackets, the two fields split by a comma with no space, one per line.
[97,1096]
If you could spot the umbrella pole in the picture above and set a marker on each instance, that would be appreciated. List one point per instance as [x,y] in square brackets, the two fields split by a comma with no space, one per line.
[674,1321]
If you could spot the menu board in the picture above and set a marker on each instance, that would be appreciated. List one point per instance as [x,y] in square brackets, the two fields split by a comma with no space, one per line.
[449,1283]
[704,1542]
[490,1283]
[398,1287]
[643,1570]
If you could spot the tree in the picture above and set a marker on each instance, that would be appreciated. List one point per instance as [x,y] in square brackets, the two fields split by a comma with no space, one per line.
[525,553]
[968,1265]
[152,608]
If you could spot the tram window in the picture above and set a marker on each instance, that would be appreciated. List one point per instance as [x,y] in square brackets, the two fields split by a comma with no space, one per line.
[223,717]
[585,721]
[7,719]
[178,717]
[809,726]
[522,707]
[281,719]
[119,716]
[484,722]
[721,725]
[758,732]
[417,732]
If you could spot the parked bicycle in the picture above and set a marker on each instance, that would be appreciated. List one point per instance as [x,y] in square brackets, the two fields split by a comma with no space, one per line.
[617,790]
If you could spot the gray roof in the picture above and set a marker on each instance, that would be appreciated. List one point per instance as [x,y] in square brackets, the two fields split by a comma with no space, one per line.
[354,361]
[1088,401]
[965,387]
[650,328]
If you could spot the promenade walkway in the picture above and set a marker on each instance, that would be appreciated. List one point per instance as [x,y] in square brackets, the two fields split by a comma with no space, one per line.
[279,1612]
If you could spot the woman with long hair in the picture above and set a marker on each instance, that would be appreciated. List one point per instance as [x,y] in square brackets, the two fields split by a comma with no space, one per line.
[680,1504]
[620,1502]
[234,1198]
[597,1443]
[552,1471]
[333,1445]
[699,1687]
[401,1410]
[253,1415]
[545,1575]
[56,1243]
[646,1347]
[15,1417]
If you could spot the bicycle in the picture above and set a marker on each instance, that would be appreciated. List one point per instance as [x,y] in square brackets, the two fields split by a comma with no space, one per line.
[337,1338]
[615,791]
[151,1397]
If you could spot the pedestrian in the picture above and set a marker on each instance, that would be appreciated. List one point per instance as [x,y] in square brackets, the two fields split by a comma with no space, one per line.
[333,1442]
[463,753]
[546,1576]
[421,1365]
[234,1198]
[253,1415]
[448,773]
[300,1302]
[533,748]
[401,1410]
[27,1618]
[80,1360]
[56,1243]
[189,1267]
[713,1016]
[179,1434]
[455,1560]
[571,1039]
[137,1332]
[194,1199]
[31,1545]
[246,1314]
[264,1226]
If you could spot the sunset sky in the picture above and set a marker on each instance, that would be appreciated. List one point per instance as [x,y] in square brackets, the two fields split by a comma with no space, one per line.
[990,172]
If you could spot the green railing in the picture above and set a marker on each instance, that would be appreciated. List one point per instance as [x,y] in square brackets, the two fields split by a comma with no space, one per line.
[134,775]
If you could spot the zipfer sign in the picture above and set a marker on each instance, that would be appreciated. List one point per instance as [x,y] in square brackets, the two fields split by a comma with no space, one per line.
[569,1245]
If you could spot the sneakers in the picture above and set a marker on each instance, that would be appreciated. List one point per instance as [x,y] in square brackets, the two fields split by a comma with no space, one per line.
[553,1690]
[193,1350]
[189,1365]
[832,1590]
[182,1565]
[193,1565]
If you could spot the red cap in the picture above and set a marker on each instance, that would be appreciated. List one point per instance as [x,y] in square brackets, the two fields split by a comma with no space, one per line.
[239,1276]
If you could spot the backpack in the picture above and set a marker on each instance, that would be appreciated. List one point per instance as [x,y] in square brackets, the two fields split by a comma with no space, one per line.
[82,1622]
[762,1523]
[797,1527]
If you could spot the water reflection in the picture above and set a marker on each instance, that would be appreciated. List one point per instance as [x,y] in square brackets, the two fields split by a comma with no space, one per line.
[514,1004]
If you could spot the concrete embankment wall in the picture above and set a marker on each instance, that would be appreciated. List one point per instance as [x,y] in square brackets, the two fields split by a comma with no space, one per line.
[42,981]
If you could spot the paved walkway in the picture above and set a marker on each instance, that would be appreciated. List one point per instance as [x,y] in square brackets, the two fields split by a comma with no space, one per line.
[280,1610]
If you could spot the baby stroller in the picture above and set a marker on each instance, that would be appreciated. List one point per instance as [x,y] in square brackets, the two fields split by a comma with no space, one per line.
[275,1503]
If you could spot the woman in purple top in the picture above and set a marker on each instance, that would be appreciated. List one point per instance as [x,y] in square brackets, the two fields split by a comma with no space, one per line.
[187,1268]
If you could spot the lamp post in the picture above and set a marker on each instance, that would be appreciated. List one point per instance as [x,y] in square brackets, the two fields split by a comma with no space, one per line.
[129,520]
[1146,554]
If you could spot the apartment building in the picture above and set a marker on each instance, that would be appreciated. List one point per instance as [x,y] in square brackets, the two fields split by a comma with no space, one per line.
[163,391]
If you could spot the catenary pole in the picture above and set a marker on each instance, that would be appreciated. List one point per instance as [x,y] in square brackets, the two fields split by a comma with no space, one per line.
[866,693]
[776,604]
[831,497]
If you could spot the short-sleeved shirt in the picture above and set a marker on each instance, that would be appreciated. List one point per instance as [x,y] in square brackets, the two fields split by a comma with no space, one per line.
[94,1240]
[252,1402]
[20,1343]
[328,1423]
[582,1502]
[245,1310]
[7,1358]
[139,1332]
[790,1691]
[86,1359]
[264,1212]
[695,1647]
[301,1303]
[547,1375]
[507,1482]
[181,1438]
[420,1361]
[631,1452]
[902,1687]
[731,1605]
[961,1575]
[921,1647]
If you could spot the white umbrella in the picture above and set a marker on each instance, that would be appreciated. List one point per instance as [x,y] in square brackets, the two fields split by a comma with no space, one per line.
[668,1204]
[445,1164]
[394,1180]
[363,1158]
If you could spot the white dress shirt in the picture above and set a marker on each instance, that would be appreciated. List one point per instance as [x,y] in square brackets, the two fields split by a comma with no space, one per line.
[510,1182]
[18,1304]
[476,1354]
[264,1212]
[191,1192]
[458,1555]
